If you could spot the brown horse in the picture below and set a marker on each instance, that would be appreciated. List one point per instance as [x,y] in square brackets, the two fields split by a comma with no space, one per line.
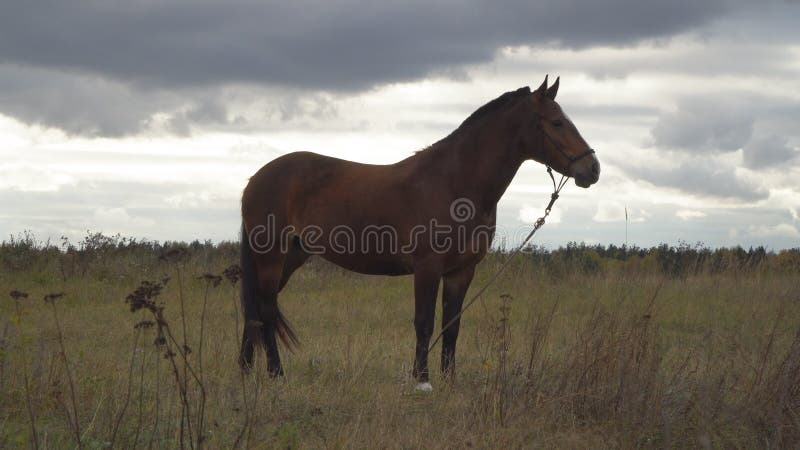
[431,215]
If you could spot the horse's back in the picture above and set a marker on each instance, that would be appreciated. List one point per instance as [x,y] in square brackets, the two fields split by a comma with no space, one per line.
[295,185]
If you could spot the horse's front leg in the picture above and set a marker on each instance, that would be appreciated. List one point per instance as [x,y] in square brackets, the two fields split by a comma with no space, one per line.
[426,287]
[456,284]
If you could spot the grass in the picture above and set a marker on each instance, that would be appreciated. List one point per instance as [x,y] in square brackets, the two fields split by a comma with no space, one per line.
[614,358]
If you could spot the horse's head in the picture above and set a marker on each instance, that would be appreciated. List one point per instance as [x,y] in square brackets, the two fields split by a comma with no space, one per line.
[548,136]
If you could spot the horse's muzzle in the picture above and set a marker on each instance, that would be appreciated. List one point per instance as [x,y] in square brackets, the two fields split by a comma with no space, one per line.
[586,171]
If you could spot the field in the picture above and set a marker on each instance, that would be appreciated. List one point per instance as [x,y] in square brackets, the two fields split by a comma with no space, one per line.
[570,349]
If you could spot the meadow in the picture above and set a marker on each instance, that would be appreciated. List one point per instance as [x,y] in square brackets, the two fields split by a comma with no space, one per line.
[580,347]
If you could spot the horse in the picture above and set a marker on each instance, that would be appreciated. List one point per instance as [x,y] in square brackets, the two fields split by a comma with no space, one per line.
[431,215]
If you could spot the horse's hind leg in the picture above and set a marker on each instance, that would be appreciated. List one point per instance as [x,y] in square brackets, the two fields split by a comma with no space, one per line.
[269,277]
[265,275]
[273,276]
[261,278]
[261,314]
[250,297]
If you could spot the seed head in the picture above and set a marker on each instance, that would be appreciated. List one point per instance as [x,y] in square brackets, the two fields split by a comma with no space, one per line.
[144,297]
[52,297]
[174,254]
[214,280]
[233,273]
[16,295]
[144,324]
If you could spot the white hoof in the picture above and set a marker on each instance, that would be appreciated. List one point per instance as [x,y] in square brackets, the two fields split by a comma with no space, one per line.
[424,387]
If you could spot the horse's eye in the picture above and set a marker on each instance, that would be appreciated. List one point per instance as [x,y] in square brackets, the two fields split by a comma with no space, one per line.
[557,123]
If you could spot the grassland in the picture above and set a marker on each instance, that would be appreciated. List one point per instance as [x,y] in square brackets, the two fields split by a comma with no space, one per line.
[561,353]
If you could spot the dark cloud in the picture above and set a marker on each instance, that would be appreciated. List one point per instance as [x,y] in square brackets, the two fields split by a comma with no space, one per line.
[722,57]
[701,177]
[704,125]
[768,151]
[761,126]
[317,44]
[207,112]
[90,105]
[77,104]
[94,68]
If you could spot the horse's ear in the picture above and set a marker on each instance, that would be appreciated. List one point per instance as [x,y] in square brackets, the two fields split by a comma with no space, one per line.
[553,90]
[542,90]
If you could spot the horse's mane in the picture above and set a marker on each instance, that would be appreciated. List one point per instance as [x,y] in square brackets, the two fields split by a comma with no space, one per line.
[497,104]
[494,105]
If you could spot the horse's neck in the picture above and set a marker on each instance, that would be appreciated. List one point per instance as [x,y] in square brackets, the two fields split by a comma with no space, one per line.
[487,168]
[478,168]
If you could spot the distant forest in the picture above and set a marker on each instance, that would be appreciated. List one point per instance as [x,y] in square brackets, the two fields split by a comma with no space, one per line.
[100,255]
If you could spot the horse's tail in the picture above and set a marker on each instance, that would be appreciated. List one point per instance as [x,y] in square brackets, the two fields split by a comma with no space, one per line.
[253,310]
[285,332]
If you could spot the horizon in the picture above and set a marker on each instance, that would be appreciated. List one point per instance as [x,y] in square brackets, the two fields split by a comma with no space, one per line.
[26,237]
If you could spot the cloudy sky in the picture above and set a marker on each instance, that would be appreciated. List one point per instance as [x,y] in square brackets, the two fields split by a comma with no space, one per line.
[146,117]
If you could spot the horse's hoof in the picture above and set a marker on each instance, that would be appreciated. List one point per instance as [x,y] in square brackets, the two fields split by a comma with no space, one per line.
[424,387]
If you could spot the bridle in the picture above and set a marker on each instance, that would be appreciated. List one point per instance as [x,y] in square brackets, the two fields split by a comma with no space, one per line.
[572,159]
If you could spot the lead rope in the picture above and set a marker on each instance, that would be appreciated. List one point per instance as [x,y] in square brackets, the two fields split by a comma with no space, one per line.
[538,224]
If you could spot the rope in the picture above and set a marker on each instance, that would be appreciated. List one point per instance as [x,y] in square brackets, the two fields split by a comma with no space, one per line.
[538,224]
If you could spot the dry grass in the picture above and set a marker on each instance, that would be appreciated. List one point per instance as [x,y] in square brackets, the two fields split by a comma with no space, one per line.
[572,361]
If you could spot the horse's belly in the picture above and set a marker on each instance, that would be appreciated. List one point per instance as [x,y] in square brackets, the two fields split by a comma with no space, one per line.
[375,265]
